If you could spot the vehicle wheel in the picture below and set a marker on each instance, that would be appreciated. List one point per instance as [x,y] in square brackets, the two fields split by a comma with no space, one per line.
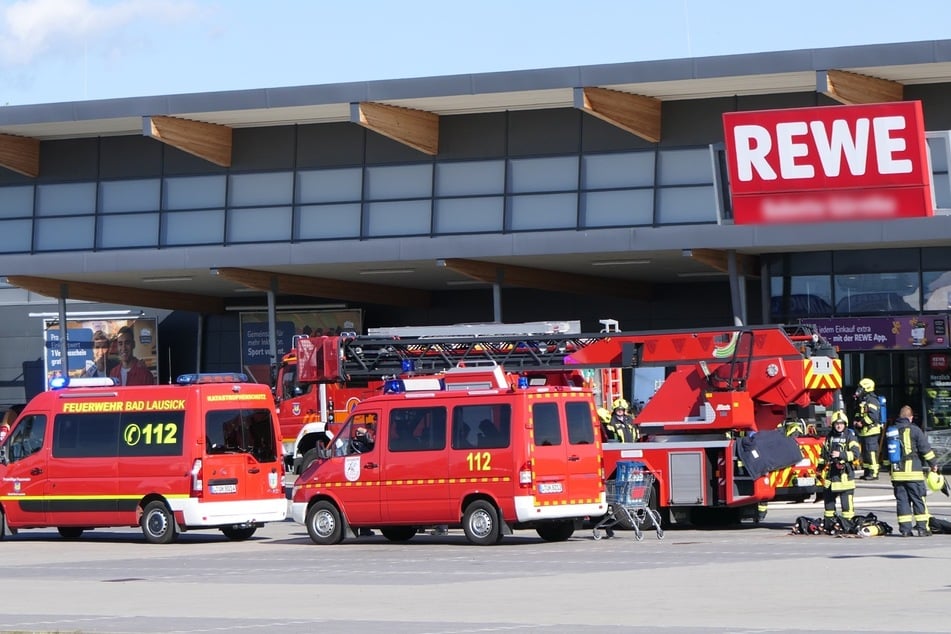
[158,523]
[556,531]
[238,533]
[70,532]
[310,456]
[324,524]
[481,523]
[3,525]
[399,533]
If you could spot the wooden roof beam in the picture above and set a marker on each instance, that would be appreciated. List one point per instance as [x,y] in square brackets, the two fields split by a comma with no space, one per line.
[327,288]
[852,88]
[20,154]
[544,279]
[634,113]
[208,141]
[123,295]
[418,129]
[747,265]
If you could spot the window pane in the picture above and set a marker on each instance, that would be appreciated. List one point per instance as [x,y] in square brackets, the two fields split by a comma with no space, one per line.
[685,167]
[61,234]
[580,428]
[939,155]
[16,202]
[618,208]
[328,221]
[402,181]
[876,293]
[545,211]
[195,192]
[262,189]
[469,215]
[330,185]
[677,205]
[132,230]
[417,429]
[195,227]
[481,426]
[937,290]
[66,199]
[601,171]
[16,236]
[809,296]
[266,224]
[474,177]
[406,218]
[138,195]
[942,191]
[543,174]
[547,424]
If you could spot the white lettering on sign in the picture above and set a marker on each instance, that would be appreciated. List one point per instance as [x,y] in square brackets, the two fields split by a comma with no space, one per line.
[799,140]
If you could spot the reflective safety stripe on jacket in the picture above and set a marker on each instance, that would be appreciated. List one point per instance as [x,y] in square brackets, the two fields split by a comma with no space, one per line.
[916,451]
[869,415]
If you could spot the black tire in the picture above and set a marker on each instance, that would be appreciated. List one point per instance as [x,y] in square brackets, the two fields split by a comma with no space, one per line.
[399,533]
[481,523]
[556,531]
[158,523]
[310,456]
[3,525]
[324,523]
[238,533]
[70,532]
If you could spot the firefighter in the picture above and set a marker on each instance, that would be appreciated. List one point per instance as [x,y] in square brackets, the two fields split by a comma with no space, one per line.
[836,465]
[868,426]
[621,421]
[912,451]
[607,430]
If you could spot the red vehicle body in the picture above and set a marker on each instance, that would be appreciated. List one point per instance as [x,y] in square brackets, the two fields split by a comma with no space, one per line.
[201,454]
[722,386]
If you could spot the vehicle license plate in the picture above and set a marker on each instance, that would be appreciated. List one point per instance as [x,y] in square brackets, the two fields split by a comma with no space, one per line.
[549,487]
[805,482]
[224,488]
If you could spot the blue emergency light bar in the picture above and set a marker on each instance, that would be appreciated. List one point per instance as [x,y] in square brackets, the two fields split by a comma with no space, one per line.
[212,377]
[63,382]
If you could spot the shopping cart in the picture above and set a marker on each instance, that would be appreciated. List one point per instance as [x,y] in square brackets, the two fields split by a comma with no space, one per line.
[629,496]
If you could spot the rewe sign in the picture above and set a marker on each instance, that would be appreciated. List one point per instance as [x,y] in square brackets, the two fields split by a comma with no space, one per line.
[833,163]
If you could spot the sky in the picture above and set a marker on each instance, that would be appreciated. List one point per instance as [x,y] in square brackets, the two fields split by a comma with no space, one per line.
[78,50]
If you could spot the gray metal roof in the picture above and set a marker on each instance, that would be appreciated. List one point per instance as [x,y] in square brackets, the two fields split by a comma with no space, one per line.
[697,78]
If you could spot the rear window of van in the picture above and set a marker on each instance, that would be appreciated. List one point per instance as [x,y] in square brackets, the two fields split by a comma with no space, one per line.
[248,431]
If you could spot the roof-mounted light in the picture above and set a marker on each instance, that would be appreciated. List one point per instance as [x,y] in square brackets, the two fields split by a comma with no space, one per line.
[62,382]
[212,377]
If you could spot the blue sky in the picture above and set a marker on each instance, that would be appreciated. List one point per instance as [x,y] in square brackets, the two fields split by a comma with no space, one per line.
[74,50]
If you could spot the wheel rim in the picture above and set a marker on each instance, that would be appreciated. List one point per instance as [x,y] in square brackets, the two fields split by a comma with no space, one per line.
[157,523]
[324,523]
[480,523]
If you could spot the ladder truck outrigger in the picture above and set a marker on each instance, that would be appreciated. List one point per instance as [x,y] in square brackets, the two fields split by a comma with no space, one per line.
[724,389]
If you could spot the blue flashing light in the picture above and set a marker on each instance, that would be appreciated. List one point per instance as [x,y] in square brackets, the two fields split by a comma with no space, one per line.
[394,386]
[408,365]
[522,382]
[59,382]
[212,377]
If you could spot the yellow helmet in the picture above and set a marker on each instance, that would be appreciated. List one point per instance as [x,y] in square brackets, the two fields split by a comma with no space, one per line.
[604,414]
[838,416]
[619,402]
[867,385]
[935,481]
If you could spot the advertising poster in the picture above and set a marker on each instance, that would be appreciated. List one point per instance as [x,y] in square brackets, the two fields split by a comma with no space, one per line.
[126,349]
[924,332]
[256,346]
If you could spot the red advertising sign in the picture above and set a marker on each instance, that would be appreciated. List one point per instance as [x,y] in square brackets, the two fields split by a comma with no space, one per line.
[832,163]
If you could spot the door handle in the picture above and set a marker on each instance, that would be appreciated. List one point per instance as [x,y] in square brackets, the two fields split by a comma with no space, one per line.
[254,470]
[574,458]
[370,465]
[36,471]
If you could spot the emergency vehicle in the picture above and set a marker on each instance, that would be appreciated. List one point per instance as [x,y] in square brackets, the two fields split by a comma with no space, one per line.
[471,446]
[722,388]
[204,453]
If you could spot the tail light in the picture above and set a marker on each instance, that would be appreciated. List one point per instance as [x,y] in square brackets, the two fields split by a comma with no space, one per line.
[197,484]
[525,475]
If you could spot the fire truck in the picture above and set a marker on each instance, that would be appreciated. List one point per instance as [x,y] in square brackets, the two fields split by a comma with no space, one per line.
[724,390]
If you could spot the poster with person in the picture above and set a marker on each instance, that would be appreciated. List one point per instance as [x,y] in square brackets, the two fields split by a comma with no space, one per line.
[125,349]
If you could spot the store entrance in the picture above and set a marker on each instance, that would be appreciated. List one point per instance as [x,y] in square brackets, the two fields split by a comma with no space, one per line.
[917,378]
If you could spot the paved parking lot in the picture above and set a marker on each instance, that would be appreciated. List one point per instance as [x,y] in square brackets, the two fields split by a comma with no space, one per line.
[745,579]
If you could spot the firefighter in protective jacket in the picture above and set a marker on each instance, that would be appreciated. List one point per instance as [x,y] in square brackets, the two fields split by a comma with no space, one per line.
[868,426]
[840,450]
[908,474]
[621,423]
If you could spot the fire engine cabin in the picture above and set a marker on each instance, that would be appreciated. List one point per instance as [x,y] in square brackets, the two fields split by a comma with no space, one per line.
[204,453]
[469,447]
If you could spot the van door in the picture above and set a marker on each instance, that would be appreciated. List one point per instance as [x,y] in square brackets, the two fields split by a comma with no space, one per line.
[356,475]
[551,454]
[23,485]
[416,467]
[584,454]
[240,458]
